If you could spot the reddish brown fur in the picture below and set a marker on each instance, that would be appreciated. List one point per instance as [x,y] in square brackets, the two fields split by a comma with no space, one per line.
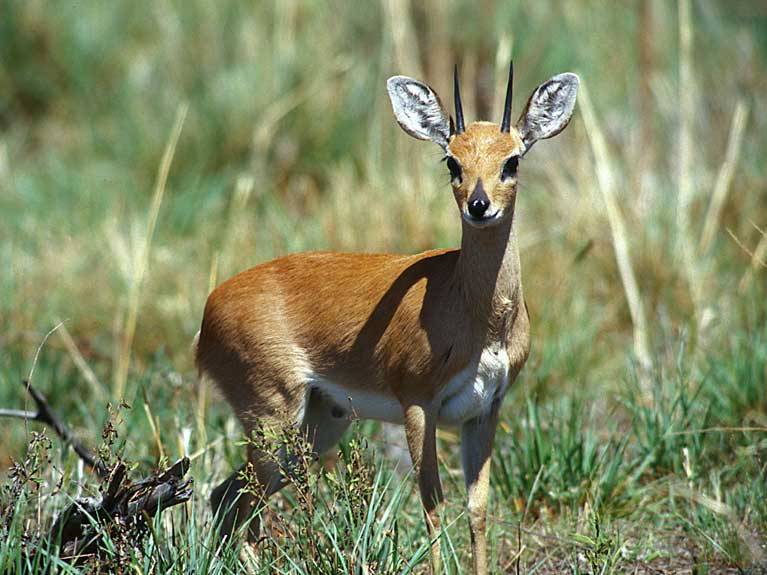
[397,324]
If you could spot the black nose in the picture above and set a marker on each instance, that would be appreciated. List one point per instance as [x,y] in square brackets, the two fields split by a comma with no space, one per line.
[478,202]
[478,207]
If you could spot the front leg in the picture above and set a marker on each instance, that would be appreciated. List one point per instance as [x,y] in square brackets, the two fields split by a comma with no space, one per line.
[476,449]
[421,432]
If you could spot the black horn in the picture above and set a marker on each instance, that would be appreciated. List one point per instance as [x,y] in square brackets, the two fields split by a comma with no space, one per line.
[506,123]
[459,125]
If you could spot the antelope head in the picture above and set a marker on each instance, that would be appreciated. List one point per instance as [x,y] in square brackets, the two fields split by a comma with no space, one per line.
[483,157]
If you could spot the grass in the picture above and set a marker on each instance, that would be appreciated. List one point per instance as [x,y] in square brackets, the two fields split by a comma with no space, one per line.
[605,462]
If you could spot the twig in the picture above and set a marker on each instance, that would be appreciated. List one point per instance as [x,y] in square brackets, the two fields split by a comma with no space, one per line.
[47,416]
[404,39]
[40,348]
[720,430]
[124,510]
[18,413]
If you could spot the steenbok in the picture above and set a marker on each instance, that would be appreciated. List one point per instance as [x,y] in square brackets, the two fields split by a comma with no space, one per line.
[423,340]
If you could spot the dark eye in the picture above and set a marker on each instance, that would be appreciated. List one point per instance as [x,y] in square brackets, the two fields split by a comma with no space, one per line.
[510,168]
[455,169]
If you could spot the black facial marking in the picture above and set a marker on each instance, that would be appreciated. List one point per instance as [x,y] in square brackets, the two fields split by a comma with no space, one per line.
[510,168]
[454,167]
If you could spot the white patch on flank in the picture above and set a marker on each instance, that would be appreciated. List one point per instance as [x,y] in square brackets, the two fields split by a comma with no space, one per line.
[360,404]
[468,394]
[471,391]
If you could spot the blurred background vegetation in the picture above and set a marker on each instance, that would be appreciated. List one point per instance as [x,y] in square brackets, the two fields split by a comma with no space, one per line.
[287,143]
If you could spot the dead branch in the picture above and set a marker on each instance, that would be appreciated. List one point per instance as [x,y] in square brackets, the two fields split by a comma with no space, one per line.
[124,510]
[47,416]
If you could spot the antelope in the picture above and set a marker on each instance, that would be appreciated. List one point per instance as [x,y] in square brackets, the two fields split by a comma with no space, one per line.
[425,340]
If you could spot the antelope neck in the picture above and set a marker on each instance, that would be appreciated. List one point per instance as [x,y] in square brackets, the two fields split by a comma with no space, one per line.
[488,272]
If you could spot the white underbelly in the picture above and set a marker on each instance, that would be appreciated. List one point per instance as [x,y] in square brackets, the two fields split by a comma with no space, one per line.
[361,404]
[468,394]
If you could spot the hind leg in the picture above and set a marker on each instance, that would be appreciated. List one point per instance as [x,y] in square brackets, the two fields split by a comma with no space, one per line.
[230,504]
[234,501]
[323,423]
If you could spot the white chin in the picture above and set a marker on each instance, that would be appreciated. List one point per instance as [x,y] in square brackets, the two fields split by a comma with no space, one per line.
[483,222]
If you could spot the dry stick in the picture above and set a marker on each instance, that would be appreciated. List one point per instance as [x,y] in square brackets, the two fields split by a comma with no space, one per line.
[47,416]
[437,50]
[40,349]
[724,429]
[755,259]
[758,258]
[762,231]
[606,181]
[469,71]
[405,49]
[34,364]
[126,343]
[724,178]
[79,529]
[155,430]
[685,184]
[243,190]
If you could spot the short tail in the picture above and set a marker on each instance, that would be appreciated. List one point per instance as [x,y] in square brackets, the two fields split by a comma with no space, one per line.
[196,352]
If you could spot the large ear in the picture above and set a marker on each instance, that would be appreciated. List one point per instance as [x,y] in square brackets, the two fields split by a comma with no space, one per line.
[418,110]
[549,109]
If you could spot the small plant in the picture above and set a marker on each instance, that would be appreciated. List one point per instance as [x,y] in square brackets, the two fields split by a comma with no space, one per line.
[601,550]
[102,534]
[20,545]
[342,519]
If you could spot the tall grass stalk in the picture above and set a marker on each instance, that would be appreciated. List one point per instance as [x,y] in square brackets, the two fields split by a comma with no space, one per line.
[142,260]
[724,178]
[403,36]
[606,181]
[685,183]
